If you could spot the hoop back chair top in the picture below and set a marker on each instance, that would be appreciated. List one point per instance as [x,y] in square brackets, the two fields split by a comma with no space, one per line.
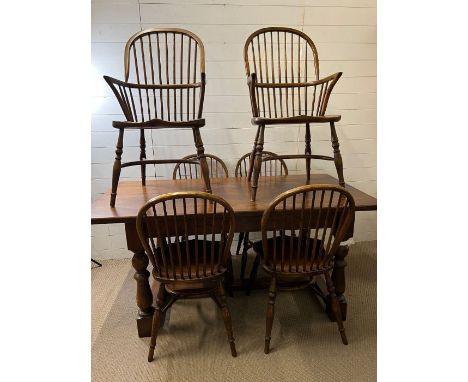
[186,235]
[302,228]
[282,67]
[216,166]
[164,79]
[272,165]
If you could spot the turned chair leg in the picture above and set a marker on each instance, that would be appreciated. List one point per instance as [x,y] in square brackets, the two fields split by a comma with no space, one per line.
[201,157]
[155,329]
[221,302]
[252,156]
[270,314]
[257,163]
[229,278]
[337,154]
[117,167]
[143,156]
[253,275]
[335,307]
[308,150]
[245,248]
[161,302]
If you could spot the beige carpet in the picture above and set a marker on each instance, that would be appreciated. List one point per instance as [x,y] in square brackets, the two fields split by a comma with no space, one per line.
[305,345]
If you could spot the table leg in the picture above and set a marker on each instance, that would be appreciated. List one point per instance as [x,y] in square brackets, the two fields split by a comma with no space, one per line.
[339,281]
[144,296]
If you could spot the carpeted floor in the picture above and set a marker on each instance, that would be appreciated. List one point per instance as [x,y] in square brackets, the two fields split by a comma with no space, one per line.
[193,346]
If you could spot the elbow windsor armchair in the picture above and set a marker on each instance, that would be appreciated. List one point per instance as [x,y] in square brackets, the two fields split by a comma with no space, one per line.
[272,165]
[301,232]
[187,237]
[284,90]
[167,70]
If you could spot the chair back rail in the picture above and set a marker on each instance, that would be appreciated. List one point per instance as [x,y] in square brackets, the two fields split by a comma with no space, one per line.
[303,227]
[282,67]
[271,165]
[186,235]
[191,170]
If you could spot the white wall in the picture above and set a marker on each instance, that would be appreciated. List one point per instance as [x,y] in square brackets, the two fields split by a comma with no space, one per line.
[344,32]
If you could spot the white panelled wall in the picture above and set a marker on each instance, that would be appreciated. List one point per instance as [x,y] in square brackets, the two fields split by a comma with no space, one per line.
[344,32]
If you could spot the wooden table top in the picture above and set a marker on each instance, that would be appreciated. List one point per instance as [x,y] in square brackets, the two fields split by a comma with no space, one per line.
[132,195]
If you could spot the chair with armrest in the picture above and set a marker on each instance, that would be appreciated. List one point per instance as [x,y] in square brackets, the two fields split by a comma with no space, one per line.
[164,88]
[284,89]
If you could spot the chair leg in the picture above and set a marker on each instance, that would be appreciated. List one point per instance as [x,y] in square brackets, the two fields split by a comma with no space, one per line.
[239,243]
[337,154]
[257,163]
[117,167]
[253,275]
[154,331]
[161,302]
[252,156]
[335,307]
[270,313]
[143,156]
[229,278]
[245,247]
[226,318]
[308,150]
[201,157]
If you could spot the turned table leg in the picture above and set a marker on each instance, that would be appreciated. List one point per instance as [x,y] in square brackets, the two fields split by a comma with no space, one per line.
[144,295]
[338,278]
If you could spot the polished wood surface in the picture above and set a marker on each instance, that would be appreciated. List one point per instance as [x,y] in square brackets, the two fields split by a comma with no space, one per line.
[234,190]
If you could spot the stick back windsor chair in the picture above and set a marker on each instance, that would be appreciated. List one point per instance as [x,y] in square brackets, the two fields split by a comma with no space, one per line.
[217,168]
[166,68]
[301,232]
[282,68]
[187,237]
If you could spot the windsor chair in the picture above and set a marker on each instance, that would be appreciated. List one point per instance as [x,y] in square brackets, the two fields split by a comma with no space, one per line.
[194,232]
[317,218]
[284,91]
[217,168]
[272,165]
[164,87]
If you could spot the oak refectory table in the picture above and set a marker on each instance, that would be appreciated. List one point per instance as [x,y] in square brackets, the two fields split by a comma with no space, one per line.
[236,191]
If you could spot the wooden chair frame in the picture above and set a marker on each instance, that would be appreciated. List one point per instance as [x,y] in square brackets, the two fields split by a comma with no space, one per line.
[267,157]
[273,100]
[161,100]
[293,261]
[213,161]
[180,275]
